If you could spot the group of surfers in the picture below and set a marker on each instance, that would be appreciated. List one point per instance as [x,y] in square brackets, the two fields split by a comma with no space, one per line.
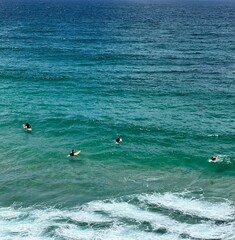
[118,140]
[28,126]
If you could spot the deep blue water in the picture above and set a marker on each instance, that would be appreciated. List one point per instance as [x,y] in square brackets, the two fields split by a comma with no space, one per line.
[160,75]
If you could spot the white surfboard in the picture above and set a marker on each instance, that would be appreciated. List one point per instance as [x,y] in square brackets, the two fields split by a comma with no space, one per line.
[75,154]
[27,129]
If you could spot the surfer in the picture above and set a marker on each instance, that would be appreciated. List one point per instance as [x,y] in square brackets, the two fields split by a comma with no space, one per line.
[118,140]
[213,158]
[72,153]
[27,125]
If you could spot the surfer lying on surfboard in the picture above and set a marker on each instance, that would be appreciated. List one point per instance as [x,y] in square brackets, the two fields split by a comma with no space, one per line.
[118,140]
[214,159]
[27,126]
[72,153]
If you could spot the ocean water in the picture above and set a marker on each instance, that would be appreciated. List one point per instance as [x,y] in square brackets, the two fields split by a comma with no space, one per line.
[161,75]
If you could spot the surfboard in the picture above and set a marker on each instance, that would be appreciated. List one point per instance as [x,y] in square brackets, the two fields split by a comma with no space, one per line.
[75,154]
[27,129]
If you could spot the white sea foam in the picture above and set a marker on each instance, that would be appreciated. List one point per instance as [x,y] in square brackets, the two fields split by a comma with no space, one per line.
[222,158]
[116,233]
[120,219]
[196,207]
[159,221]
[213,135]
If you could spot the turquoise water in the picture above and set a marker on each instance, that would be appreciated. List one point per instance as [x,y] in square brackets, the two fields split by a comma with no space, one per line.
[161,76]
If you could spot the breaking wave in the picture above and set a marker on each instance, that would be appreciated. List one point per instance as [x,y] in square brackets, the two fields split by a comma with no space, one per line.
[143,216]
